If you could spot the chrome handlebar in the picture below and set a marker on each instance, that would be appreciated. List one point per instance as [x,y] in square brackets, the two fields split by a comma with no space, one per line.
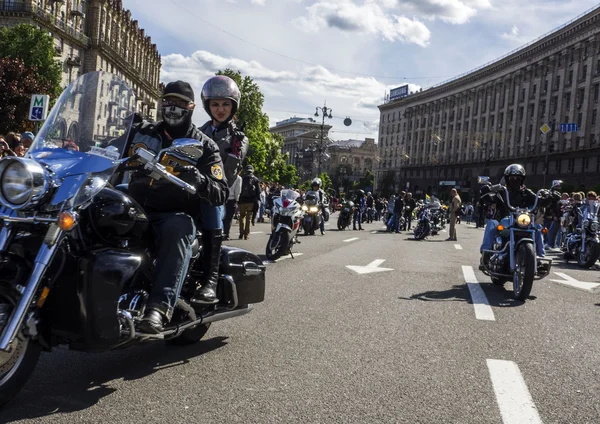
[158,171]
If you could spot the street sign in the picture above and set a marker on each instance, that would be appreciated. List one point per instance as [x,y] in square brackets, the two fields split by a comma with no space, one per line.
[545,128]
[567,128]
[38,108]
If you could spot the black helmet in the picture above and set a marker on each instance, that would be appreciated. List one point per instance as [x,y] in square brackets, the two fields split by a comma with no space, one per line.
[221,87]
[249,168]
[514,176]
[361,193]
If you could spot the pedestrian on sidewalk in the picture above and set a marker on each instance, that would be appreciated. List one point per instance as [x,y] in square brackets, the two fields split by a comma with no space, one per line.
[249,197]
[455,204]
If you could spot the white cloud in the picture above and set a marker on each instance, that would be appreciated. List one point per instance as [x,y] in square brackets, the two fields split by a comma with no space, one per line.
[305,85]
[258,2]
[512,35]
[368,18]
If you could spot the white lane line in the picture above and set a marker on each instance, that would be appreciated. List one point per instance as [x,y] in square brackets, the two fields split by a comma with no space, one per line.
[570,281]
[513,397]
[374,232]
[257,232]
[351,239]
[483,310]
[458,247]
[283,258]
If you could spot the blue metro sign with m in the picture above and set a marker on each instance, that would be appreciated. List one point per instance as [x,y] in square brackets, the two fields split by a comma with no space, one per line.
[567,128]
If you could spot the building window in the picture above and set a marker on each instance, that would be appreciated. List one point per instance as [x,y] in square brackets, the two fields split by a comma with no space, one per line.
[594,116]
[570,80]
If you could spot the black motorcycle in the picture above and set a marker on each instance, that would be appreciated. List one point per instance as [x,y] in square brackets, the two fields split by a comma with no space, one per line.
[75,256]
[345,216]
[583,244]
[432,220]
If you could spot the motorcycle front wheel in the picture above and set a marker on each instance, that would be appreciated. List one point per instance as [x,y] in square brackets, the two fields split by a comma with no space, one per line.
[524,272]
[588,258]
[278,245]
[421,231]
[17,365]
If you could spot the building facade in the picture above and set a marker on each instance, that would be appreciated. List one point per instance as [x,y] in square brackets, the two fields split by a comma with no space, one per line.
[350,159]
[302,144]
[479,123]
[91,35]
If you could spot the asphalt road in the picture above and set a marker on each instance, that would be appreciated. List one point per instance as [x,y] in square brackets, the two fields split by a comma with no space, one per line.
[408,345]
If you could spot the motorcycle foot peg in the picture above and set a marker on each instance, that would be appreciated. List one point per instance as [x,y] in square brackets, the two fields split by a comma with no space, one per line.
[202,301]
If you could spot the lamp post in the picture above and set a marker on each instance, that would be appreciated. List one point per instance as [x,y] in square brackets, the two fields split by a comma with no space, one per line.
[326,113]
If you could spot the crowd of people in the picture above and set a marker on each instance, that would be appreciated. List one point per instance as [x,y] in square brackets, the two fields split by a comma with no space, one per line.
[15,144]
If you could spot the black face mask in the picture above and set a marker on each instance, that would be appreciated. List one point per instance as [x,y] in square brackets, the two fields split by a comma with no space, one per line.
[514,183]
[177,120]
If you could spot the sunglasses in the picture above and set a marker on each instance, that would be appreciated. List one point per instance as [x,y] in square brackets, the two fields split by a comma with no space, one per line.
[176,102]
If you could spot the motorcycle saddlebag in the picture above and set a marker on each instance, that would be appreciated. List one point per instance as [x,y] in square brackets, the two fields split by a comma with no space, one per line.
[247,271]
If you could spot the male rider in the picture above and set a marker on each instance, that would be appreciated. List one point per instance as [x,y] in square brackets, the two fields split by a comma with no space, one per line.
[520,196]
[322,201]
[173,212]
[360,203]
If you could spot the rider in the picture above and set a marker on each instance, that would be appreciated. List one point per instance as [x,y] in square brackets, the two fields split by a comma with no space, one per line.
[322,200]
[370,204]
[359,210]
[221,100]
[173,212]
[520,196]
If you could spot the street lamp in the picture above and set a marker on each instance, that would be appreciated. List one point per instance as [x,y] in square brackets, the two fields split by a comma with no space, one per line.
[326,113]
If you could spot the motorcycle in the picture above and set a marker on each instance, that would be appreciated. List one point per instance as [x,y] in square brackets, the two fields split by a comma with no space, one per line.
[583,243]
[287,214]
[76,259]
[312,213]
[513,255]
[431,220]
[346,215]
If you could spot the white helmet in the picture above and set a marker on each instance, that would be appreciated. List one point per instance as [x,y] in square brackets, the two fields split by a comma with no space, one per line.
[316,181]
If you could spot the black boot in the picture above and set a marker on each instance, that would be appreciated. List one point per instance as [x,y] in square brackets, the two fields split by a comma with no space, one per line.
[211,255]
[152,323]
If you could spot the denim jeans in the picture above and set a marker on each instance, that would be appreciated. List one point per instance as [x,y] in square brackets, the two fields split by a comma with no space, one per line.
[174,234]
[491,232]
[212,216]
[357,218]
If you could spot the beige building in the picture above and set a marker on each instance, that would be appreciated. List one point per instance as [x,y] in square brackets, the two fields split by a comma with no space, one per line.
[302,140]
[92,35]
[350,159]
[479,123]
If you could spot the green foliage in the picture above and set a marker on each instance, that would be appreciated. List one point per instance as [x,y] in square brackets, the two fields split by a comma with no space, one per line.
[17,82]
[265,148]
[36,49]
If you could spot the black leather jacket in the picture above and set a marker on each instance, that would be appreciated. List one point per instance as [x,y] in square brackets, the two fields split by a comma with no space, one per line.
[222,136]
[163,196]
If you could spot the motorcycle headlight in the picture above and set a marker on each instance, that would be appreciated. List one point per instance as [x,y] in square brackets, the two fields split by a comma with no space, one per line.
[304,208]
[524,220]
[22,182]
[314,209]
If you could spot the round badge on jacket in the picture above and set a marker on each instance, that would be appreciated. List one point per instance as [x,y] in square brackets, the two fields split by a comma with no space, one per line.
[217,172]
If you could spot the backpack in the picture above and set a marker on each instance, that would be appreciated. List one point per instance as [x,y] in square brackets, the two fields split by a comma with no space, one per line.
[248,190]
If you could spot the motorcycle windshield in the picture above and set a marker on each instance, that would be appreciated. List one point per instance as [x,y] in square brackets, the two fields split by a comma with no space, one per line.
[84,137]
[289,194]
[310,198]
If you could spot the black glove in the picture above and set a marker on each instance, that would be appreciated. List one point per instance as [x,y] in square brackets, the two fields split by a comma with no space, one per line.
[236,143]
[191,175]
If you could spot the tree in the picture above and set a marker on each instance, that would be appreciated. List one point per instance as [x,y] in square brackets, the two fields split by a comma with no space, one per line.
[17,82]
[35,48]
[265,148]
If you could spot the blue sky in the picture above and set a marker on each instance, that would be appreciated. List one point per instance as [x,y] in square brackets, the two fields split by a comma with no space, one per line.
[345,52]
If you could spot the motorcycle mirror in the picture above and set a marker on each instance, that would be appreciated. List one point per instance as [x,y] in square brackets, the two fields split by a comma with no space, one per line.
[483,180]
[189,147]
[556,183]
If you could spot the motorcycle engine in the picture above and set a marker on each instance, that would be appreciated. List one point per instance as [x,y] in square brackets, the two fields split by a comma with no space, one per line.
[497,262]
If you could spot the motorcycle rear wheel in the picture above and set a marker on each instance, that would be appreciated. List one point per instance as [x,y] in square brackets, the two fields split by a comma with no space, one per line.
[524,272]
[189,336]
[16,367]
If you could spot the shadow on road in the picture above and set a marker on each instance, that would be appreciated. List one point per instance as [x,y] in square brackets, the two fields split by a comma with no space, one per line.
[496,295]
[83,379]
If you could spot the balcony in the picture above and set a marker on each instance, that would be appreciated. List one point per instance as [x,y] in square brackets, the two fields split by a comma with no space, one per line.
[15,7]
[77,9]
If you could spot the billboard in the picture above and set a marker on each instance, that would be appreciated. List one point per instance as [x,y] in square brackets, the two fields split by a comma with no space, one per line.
[399,92]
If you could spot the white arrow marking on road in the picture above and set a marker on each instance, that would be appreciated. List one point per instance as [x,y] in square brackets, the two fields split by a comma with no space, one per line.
[372,267]
[458,247]
[570,281]
[257,232]
[513,397]
[351,239]
[483,310]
